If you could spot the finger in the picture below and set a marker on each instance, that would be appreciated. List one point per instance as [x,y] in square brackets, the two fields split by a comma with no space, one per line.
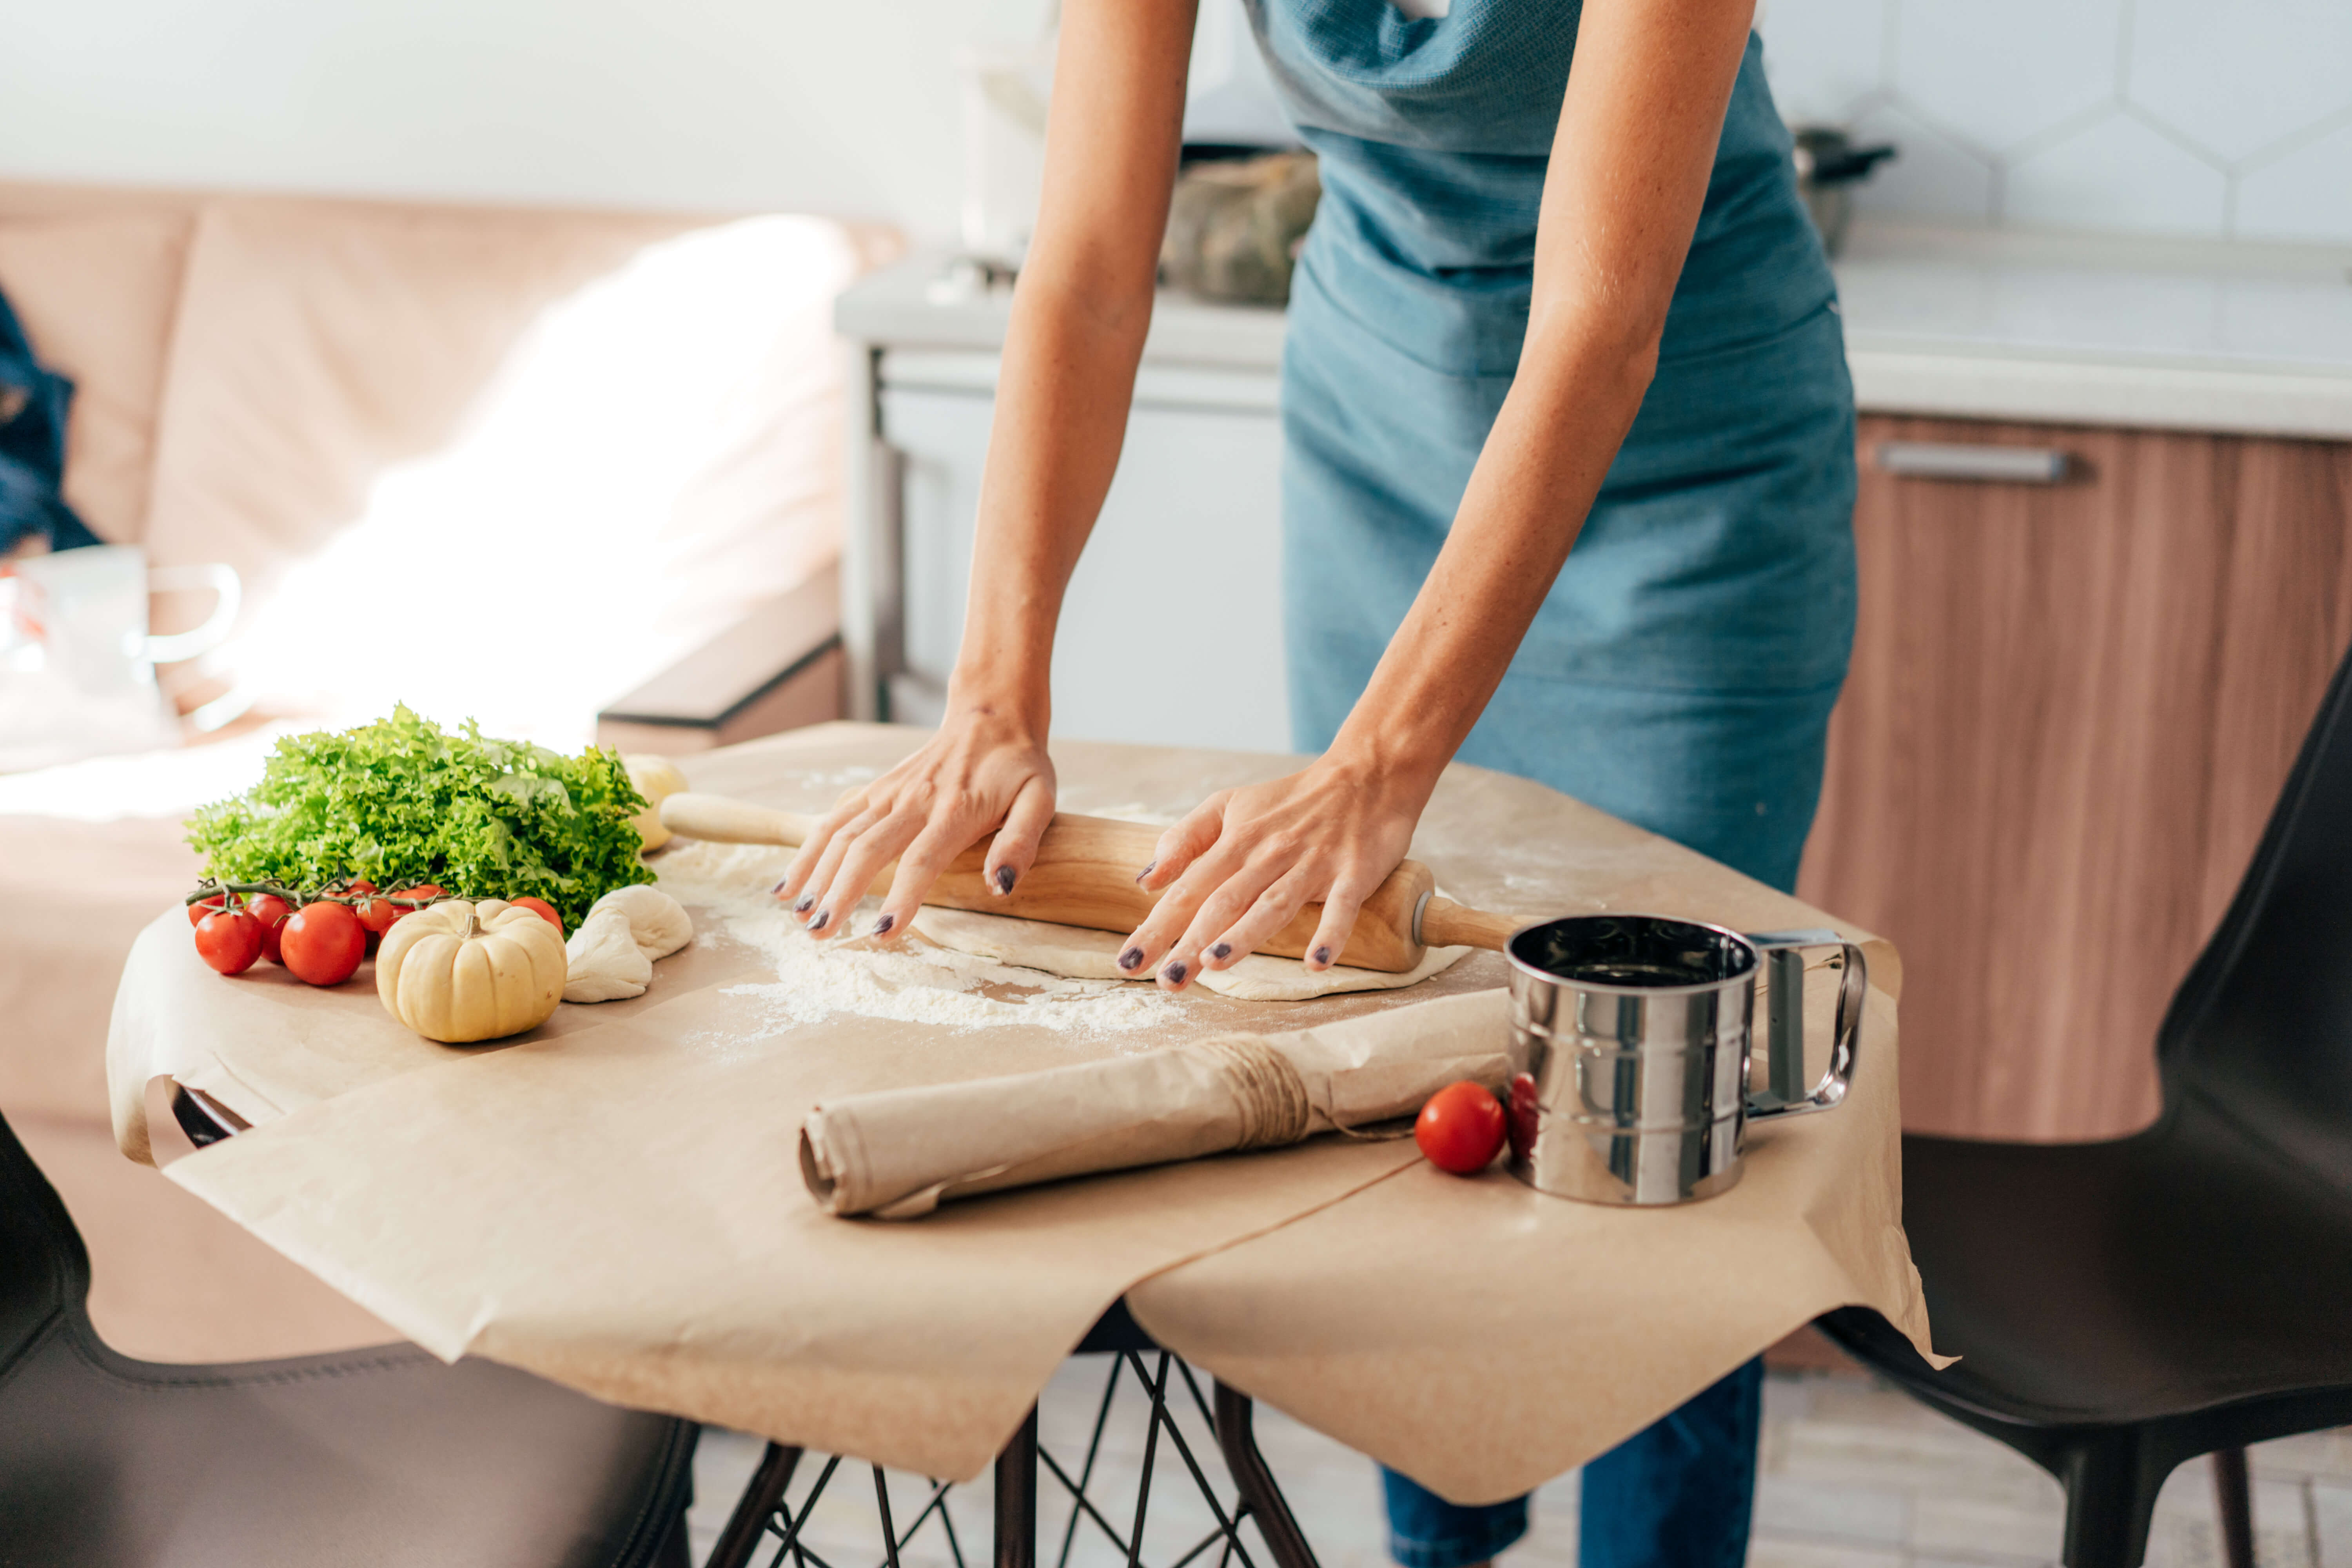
[812,850]
[1274,910]
[1016,849]
[1199,947]
[873,848]
[1155,938]
[829,864]
[1184,843]
[920,866]
[1341,907]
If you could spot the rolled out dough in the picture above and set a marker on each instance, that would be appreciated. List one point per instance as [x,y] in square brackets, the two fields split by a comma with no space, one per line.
[1076,953]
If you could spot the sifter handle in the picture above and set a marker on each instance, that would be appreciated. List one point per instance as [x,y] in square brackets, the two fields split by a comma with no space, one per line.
[1788,1097]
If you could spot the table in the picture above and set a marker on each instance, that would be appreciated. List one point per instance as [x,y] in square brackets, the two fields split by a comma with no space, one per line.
[471,1198]
[763,1509]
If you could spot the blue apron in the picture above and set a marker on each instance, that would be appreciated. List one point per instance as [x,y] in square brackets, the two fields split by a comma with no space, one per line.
[1681,672]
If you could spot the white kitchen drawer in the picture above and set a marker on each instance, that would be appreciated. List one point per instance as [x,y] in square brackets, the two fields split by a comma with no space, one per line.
[1171,631]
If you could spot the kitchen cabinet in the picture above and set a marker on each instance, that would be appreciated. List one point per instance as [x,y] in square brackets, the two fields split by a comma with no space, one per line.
[2071,708]
[1172,629]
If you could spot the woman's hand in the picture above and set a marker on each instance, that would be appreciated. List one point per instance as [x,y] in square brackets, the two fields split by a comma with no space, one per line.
[986,765]
[1247,860]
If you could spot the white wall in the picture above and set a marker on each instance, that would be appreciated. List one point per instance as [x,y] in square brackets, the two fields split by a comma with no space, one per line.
[2219,119]
[845,107]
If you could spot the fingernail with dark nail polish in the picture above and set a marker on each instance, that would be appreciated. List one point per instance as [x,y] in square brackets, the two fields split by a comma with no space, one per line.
[1174,974]
[805,905]
[1322,955]
[1146,872]
[777,891]
[882,926]
[1222,950]
[1130,958]
[1004,878]
[818,923]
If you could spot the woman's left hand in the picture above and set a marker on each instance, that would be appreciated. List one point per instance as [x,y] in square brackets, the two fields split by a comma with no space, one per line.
[1247,860]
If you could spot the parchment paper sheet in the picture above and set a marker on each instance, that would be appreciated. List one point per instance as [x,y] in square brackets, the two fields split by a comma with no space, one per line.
[615,1203]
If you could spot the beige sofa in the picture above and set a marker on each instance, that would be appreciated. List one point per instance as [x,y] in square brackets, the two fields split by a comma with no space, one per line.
[247,369]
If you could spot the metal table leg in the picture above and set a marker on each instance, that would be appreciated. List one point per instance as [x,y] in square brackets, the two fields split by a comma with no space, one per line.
[1254,1479]
[764,1507]
[755,1508]
[1016,1498]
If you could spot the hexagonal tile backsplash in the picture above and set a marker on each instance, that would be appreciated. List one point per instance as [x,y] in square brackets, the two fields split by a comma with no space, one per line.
[2222,119]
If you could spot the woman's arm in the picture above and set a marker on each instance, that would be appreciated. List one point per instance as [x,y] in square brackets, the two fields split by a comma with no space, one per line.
[1079,314]
[1629,171]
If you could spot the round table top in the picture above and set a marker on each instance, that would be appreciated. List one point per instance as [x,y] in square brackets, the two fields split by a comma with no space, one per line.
[614,1201]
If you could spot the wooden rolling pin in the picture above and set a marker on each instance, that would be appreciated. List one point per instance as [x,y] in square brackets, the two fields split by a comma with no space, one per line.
[1083,875]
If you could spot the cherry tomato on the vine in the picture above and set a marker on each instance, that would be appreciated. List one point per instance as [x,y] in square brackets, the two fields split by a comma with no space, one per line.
[229,940]
[376,914]
[1460,1128]
[540,907]
[269,912]
[322,943]
[422,891]
[197,912]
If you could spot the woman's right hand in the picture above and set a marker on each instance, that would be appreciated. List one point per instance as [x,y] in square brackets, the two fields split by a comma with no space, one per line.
[985,769]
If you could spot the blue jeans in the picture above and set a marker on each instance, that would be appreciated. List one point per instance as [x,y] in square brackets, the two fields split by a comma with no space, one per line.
[1677,1495]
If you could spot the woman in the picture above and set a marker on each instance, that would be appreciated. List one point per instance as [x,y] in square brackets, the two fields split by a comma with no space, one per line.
[1539,307]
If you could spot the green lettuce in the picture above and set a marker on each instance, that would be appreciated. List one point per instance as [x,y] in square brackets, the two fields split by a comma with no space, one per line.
[403,802]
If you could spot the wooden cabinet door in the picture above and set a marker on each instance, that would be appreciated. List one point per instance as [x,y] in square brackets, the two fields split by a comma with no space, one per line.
[2070,707]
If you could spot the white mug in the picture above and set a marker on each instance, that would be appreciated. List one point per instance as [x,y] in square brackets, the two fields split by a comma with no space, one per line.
[77,661]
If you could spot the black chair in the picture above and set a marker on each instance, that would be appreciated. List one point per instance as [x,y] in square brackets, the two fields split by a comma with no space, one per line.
[371,1457]
[2122,1307]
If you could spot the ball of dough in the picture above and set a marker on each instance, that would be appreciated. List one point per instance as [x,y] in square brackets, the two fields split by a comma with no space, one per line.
[655,778]
[658,922]
[602,961]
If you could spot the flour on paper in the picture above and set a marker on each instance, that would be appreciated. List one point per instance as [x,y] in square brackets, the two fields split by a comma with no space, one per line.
[965,970]
[916,981]
[1080,954]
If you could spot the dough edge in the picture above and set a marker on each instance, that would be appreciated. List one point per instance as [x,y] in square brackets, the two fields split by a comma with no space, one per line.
[1076,953]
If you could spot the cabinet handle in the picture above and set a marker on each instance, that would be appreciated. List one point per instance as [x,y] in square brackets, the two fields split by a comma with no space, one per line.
[1972,460]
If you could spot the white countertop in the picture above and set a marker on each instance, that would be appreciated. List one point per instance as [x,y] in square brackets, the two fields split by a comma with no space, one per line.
[2078,330]
[1961,323]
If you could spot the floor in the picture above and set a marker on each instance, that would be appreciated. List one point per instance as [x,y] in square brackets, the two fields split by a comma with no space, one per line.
[1853,1475]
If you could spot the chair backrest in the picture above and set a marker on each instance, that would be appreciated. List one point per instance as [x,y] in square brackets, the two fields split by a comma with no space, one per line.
[2261,1028]
[44,1270]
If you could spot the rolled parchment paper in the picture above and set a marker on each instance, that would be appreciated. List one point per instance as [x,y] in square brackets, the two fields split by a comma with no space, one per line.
[899,1153]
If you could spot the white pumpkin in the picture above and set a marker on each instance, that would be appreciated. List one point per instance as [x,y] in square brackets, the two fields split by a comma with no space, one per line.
[459,972]
[655,778]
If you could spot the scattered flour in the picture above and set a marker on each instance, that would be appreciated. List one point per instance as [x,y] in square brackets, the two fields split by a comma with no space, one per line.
[914,981]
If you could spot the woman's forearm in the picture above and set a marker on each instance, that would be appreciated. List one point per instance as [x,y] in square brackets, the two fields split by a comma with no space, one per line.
[1629,173]
[1070,357]
[1552,443]
[1079,316]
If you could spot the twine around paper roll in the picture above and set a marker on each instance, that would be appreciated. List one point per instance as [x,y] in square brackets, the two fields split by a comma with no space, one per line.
[1267,1091]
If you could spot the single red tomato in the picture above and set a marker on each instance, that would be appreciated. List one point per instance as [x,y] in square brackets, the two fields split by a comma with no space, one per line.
[375,914]
[269,912]
[322,943]
[1460,1128]
[540,907]
[422,891]
[229,940]
[359,885]
[197,912]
